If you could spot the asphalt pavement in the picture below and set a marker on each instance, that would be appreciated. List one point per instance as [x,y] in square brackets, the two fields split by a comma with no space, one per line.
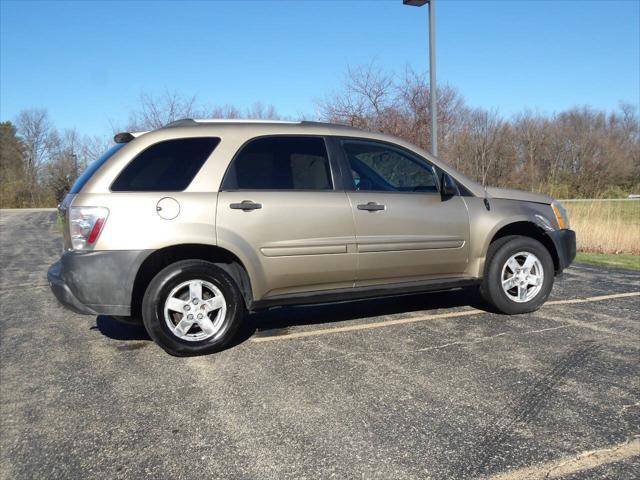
[414,387]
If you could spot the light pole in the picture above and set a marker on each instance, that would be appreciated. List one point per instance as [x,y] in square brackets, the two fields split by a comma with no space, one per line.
[432,68]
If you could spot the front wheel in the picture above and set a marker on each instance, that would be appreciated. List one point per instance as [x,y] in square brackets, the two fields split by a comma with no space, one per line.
[192,307]
[519,275]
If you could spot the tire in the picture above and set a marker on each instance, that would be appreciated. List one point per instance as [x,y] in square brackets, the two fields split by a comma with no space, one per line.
[527,292]
[172,296]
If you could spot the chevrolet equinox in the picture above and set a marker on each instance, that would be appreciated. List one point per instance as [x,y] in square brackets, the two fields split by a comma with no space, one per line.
[190,226]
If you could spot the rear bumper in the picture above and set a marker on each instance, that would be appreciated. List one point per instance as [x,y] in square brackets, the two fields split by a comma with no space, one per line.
[63,293]
[96,283]
[565,243]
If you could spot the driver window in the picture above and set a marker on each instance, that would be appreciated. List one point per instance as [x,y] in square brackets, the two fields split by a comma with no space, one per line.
[380,167]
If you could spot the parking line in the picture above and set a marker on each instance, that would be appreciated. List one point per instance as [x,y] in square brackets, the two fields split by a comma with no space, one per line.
[593,299]
[568,465]
[425,318]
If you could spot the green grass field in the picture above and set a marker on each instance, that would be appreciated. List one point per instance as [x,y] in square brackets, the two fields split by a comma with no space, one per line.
[631,262]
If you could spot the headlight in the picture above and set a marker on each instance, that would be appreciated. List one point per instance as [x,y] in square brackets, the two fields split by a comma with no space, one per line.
[561,214]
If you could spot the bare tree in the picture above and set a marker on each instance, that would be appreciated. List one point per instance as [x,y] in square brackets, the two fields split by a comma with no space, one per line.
[35,130]
[577,152]
[531,140]
[156,111]
[375,100]
[260,111]
[225,111]
[366,99]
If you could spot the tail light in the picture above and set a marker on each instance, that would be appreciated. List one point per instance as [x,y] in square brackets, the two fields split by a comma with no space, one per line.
[85,225]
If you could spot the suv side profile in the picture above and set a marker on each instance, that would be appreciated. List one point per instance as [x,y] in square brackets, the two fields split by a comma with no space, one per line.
[190,226]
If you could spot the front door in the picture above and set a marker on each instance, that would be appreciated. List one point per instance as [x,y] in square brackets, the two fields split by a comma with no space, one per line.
[405,230]
[279,213]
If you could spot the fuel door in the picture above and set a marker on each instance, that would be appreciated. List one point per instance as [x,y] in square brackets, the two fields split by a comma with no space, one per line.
[168,208]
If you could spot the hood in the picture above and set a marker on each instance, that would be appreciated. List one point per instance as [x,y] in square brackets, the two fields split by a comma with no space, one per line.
[522,195]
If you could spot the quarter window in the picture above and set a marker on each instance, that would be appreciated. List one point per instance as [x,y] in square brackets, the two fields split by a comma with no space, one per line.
[281,163]
[379,167]
[168,166]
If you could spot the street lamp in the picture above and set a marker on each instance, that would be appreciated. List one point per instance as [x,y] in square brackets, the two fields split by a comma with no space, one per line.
[432,67]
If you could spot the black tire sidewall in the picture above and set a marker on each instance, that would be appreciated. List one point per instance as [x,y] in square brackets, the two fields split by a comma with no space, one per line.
[492,283]
[167,280]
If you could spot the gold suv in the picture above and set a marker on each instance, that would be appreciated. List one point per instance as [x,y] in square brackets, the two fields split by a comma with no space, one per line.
[190,226]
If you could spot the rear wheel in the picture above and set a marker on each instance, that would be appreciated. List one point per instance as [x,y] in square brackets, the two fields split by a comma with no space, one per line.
[192,307]
[519,275]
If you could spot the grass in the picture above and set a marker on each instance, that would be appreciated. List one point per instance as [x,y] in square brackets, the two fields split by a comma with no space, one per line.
[59,223]
[606,227]
[631,262]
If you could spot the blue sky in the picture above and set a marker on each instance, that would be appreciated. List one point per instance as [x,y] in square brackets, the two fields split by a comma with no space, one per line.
[88,62]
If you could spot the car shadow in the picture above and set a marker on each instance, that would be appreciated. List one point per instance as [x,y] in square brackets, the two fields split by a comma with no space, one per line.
[117,330]
[279,320]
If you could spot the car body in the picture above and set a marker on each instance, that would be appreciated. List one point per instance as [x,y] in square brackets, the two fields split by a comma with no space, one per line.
[290,213]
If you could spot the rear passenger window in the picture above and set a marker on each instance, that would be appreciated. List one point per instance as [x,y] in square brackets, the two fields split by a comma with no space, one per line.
[167,166]
[280,163]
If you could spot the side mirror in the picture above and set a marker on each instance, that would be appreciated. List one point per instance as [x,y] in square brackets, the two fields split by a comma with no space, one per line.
[448,186]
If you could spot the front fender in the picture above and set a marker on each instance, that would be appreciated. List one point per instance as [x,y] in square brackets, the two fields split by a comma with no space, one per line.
[505,217]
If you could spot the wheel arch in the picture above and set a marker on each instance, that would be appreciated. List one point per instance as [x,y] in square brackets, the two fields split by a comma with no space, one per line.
[165,256]
[525,228]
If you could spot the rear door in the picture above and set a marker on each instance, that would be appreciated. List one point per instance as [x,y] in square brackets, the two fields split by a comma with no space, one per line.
[279,212]
[405,230]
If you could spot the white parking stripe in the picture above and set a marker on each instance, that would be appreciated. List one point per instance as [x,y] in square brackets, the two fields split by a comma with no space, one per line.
[425,318]
[593,299]
[568,465]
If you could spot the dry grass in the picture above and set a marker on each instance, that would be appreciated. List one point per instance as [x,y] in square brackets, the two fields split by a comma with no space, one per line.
[609,226]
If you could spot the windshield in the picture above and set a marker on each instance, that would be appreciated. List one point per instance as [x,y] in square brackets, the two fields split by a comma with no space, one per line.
[93,166]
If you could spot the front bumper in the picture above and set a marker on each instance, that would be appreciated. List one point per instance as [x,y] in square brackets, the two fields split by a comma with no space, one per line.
[565,243]
[96,283]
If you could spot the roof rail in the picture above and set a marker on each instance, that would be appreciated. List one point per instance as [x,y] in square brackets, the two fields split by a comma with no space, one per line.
[328,124]
[186,122]
[243,120]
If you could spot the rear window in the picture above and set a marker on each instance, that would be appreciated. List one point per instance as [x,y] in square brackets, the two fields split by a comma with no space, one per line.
[93,167]
[167,166]
[281,163]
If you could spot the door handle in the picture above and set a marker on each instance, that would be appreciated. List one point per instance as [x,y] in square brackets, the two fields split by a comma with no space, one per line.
[371,207]
[246,205]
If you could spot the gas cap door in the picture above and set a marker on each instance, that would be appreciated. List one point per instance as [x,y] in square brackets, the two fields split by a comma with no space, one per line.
[168,208]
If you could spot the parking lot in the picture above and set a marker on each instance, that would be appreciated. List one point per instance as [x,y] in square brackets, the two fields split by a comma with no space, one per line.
[424,386]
